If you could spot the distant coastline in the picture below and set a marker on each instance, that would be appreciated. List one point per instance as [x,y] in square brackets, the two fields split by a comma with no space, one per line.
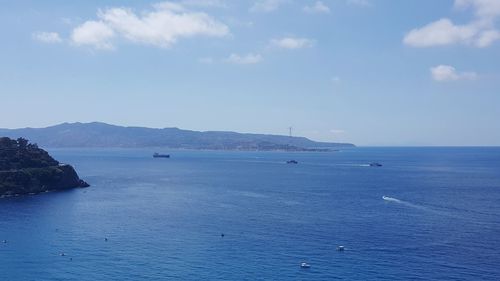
[96,134]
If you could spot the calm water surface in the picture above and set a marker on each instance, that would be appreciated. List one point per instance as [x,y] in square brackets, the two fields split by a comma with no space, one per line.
[164,217]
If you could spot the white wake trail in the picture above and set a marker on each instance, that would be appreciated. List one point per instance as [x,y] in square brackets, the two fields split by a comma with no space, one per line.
[387,198]
[408,204]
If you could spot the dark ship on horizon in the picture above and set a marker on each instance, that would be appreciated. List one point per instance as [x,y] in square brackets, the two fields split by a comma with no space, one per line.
[159,155]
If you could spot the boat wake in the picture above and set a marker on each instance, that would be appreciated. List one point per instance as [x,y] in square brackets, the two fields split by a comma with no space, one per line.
[439,210]
[387,198]
[405,203]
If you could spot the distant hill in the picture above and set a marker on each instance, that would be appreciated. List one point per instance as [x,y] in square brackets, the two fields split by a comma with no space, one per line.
[98,134]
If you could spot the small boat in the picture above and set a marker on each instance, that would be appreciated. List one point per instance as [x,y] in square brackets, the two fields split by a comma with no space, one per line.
[292,162]
[391,199]
[340,248]
[375,164]
[305,265]
[158,155]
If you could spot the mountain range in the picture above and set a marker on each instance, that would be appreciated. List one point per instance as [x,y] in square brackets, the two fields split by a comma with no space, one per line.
[97,134]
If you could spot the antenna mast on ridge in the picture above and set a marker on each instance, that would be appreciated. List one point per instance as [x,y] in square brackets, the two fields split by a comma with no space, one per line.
[290,131]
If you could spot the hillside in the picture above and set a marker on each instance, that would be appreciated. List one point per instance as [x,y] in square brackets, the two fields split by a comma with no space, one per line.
[104,135]
[25,169]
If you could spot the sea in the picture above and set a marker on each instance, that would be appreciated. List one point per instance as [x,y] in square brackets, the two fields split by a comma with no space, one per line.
[425,214]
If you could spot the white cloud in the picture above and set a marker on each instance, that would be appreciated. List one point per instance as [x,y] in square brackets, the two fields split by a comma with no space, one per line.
[361,3]
[161,27]
[487,37]
[94,33]
[483,8]
[292,43]
[441,32]
[318,8]
[244,59]
[266,5]
[47,37]
[480,32]
[443,73]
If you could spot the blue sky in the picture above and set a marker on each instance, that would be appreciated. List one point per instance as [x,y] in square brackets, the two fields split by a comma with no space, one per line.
[415,72]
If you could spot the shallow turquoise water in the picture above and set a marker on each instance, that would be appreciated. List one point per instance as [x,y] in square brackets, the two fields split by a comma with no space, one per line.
[164,217]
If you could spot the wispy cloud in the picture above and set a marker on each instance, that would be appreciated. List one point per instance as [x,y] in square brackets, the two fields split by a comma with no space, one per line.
[206,60]
[480,32]
[204,3]
[47,37]
[360,3]
[317,8]
[336,79]
[265,6]
[482,8]
[443,73]
[244,59]
[161,27]
[291,43]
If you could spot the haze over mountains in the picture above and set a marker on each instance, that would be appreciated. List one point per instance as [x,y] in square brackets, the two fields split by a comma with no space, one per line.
[98,134]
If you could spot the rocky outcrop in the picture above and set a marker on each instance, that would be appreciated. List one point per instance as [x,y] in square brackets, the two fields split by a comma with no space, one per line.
[27,169]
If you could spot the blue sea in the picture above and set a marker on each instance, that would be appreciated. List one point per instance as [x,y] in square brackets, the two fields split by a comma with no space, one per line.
[163,218]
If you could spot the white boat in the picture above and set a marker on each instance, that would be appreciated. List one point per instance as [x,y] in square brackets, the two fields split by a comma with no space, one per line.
[305,265]
[340,248]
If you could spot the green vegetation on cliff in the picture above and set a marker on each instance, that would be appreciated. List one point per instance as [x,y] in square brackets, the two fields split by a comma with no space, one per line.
[19,154]
[25,168]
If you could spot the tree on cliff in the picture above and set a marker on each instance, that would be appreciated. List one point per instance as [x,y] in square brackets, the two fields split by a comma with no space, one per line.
[17,154]
[27,169]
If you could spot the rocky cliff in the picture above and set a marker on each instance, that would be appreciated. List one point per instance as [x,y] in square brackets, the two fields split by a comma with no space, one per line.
[27,169]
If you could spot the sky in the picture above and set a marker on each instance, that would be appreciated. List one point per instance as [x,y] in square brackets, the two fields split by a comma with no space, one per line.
[369,72]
